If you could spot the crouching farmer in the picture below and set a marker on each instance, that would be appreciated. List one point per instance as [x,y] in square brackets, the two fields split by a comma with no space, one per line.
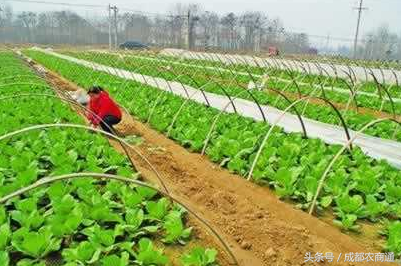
[104,111]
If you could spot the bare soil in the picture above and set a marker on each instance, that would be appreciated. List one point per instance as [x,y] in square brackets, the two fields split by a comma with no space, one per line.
[316,101]
[259,228]
[342,106]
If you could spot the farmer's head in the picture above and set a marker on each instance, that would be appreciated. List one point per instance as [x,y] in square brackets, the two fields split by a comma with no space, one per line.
[95,91]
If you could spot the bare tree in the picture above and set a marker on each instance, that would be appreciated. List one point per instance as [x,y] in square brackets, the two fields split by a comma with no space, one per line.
[296,43]
[209,29]
[229,32]
[274,30]
[28,21]
[381,44]
[136,27]
[252,24]
[160,31]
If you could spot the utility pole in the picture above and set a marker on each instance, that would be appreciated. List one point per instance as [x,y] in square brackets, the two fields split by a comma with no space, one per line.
[192,20]
[327,43]
[360,9]
[115,10]
[189,29]
[109,9]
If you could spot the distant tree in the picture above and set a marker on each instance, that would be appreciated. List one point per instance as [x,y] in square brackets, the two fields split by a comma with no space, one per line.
[274,29]
[229,31]
[296,43]
[186,25]
[136,27]
[252,24]
[380,44]
[209,28]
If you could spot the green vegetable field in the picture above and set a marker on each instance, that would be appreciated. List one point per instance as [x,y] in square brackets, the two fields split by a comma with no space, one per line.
[80,221]
[227,81]
[100,209]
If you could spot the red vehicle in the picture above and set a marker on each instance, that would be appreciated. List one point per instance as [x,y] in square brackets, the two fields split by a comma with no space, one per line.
[273,51]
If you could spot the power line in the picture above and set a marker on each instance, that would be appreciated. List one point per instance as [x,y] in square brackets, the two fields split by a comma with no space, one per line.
[88,5]
[57,3]
[316,36]
[150,13]
[343,39]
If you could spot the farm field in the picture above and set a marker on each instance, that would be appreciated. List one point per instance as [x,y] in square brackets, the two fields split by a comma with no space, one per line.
[228,83]
[355,189]
[69,198]
[332,68]
[331,134]
[247,72]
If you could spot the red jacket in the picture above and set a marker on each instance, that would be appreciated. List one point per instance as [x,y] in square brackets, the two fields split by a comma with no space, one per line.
[102,106]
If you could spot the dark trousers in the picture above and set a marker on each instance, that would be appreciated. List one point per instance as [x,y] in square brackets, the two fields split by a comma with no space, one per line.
[108,122]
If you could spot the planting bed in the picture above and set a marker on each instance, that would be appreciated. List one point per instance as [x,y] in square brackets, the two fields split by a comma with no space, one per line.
[229,83]
[357,189]
[89,219]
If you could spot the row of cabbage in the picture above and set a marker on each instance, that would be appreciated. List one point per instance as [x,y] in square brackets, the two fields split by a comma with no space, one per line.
[329,75]
[229,83]
[80,221]
[358,187]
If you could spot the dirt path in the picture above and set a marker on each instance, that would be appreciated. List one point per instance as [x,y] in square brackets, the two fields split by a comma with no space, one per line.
[260,229]
[253,221]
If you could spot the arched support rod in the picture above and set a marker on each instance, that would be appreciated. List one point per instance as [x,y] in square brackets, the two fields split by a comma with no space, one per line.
[282,95]
[338,114]
[275,124]
[249,92]
[226,94]
[349,142]
[156,103]
[178,75]
[292,106]
[70,101]
[37,127]
[258,104]
[214,124]
[212,79]
[52,179]
[380,87]
[216,118]
[293,78]
[200,88]
[353,92]
[395,77]
[349,77]
[178,113]
[278,92]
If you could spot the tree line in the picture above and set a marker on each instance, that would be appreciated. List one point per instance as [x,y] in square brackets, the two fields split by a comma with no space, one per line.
[184,26]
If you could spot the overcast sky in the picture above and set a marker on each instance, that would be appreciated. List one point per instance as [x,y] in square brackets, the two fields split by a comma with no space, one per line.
[316,17]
